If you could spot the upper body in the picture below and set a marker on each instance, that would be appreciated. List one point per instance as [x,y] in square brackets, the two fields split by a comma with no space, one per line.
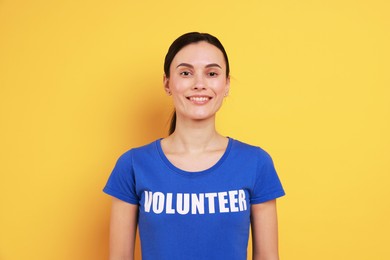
[194,215]
[195,193]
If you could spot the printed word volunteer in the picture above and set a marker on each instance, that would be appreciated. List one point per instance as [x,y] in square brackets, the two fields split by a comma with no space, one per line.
[195,203]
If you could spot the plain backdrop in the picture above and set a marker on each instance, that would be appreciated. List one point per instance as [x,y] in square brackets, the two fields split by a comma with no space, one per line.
[81,83]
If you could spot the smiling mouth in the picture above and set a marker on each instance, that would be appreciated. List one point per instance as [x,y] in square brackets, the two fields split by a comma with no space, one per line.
[199,99]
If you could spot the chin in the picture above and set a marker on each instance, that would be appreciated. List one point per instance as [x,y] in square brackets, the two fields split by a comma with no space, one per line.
[200,117]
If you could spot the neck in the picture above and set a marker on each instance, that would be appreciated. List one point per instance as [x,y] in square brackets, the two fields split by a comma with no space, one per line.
[196,136]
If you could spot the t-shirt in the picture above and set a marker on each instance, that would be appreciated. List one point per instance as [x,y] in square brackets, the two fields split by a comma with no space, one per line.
[194,215]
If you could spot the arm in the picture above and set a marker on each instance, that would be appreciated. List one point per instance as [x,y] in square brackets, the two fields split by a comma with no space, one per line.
[264,231]
[123,226]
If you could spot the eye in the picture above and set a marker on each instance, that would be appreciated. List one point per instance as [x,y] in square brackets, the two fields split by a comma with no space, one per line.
[213,74]
[185,73]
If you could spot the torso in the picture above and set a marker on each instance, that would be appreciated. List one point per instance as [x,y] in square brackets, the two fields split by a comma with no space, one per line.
[194,215]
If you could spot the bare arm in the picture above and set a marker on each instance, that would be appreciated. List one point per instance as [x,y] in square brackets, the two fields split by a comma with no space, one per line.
[264,231]
[123,226]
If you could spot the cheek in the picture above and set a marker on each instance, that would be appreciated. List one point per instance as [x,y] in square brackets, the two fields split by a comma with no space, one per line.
[178,86]
[221,87]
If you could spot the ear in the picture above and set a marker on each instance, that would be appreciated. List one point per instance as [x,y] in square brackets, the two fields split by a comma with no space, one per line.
[227,86]
[166,85]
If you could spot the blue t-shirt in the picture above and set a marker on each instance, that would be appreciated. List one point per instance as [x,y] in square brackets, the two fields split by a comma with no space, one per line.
[194,215]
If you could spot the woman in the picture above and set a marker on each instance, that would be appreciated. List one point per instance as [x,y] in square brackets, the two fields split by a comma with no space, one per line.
[195,193]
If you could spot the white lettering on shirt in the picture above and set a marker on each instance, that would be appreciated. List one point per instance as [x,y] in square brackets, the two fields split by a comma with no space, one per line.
[211,196]
[148,200]
[241,200]
[158,202]
[195,203]
[169,210]
[222,201]
[233,200]
[183,207]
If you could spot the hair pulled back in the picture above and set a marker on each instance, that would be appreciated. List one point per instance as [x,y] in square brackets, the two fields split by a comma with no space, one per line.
[180,43]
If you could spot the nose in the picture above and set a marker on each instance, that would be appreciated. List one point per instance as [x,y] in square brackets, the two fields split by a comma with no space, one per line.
[199,82]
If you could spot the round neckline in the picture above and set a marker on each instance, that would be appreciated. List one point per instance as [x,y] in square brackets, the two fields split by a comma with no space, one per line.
[195,173]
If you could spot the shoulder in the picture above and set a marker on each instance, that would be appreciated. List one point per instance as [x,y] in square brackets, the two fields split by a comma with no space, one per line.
[138,151]
[250,150]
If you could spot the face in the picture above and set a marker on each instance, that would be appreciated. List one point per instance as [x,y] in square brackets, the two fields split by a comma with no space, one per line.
[197,82]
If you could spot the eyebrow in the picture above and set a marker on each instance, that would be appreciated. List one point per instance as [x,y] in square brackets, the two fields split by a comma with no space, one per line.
[190,66]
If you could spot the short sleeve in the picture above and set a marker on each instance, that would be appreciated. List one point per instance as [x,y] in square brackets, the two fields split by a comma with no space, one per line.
[267,185]
[121,183]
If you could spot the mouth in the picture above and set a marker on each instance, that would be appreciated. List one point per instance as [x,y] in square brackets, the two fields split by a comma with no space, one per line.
[199,99]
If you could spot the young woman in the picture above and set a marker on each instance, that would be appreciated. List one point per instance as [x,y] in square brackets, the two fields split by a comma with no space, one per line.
[195,193]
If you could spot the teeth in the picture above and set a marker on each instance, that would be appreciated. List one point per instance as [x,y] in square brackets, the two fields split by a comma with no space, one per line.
[199,99]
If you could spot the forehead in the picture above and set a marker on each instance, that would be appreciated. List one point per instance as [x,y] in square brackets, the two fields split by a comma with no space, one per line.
[201,53]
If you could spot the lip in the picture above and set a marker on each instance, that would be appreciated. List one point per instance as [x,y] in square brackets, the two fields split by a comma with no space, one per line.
[199,99]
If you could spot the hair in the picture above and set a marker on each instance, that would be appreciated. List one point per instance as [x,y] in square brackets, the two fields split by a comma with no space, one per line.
[180,43]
